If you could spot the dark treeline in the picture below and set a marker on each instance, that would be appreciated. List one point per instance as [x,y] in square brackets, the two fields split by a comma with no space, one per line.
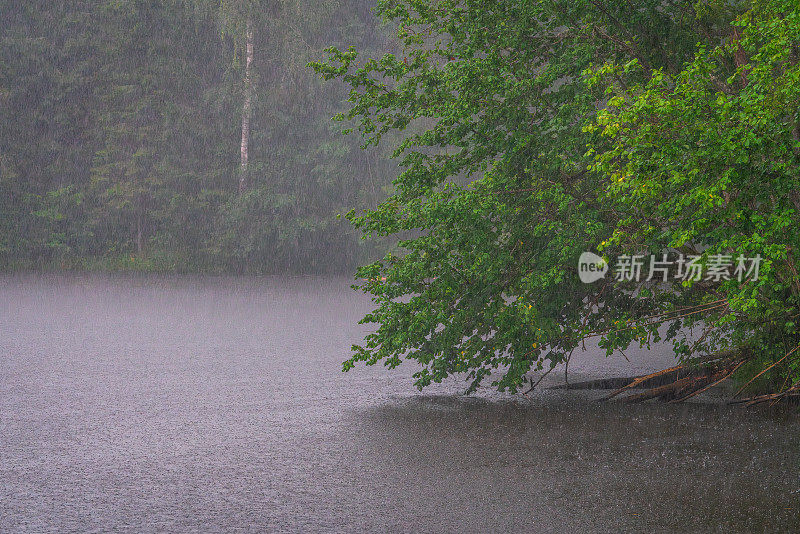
[122,146]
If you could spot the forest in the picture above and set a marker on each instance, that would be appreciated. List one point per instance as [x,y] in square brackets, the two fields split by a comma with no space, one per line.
[122,144]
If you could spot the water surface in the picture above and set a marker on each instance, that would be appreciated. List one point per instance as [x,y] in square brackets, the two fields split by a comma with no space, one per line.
[189,404]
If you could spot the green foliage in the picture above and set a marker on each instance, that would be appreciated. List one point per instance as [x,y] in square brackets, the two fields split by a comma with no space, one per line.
[706,161]
[121,128]
[497,104]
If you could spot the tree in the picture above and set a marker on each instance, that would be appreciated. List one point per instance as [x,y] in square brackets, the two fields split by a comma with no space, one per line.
[239,18]
[247,105]
[497,104]
[46,101]
[142,103]
[705,161]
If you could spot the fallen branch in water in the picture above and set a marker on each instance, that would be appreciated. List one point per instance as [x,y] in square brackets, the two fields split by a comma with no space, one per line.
[791,395]
[716,379]
[647,379]
[675,384]
[600,383]
[764,371]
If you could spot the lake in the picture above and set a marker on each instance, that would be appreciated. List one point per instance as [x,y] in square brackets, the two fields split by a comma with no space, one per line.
[217,404]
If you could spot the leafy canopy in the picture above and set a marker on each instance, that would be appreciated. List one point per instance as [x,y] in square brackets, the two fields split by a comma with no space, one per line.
[535,130]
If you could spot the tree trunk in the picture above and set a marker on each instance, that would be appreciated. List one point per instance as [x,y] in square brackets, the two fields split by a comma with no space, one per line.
[247,106]
[139,245]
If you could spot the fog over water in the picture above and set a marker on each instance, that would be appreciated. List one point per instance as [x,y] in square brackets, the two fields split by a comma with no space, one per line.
[181,404]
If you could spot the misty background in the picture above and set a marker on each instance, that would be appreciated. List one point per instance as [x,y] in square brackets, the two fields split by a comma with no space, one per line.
[121,136]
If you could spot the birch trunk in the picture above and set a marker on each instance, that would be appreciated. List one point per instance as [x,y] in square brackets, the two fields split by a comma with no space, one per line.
[247,106]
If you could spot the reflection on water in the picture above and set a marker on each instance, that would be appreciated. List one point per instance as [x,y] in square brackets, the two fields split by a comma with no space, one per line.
[186,404]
